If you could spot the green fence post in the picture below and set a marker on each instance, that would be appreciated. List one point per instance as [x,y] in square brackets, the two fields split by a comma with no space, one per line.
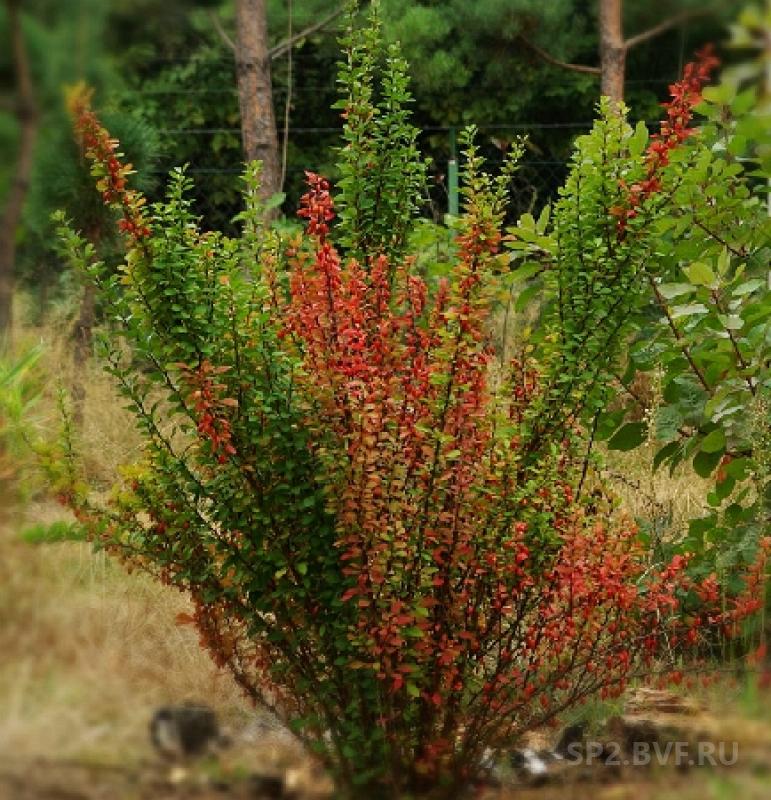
[452,174]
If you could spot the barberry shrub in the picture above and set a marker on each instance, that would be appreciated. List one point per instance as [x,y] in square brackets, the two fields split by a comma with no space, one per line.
[374,516]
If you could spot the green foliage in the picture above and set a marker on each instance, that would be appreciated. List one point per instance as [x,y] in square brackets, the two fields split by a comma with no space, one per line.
[54,533]
[464,56]
[382,174]
[373,514]
[589,276]
[706,340]
[61,180]
[197,94]
[20,389]
[682,279]
[18,392]
[709,344]
[251,529]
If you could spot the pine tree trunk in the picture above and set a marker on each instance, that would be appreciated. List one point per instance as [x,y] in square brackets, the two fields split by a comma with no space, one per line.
[255,92]
[612,49]
[28,121]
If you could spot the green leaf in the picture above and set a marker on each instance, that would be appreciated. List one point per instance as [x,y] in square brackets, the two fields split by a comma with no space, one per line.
[670,290]
[665,453]
[723,489]
[731,322]
[705,463]
[748,287]
[700,273]
[608,424]
[275,200]
[739,468]
[525,296]
[689,310]
[629,436]
[638,140]
[526,270]
[714,442]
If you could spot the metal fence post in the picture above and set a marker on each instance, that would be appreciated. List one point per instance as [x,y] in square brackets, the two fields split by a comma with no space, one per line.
[452,174]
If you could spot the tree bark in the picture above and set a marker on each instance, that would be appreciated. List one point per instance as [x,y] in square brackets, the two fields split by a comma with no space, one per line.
[255,92]
[612,49]
[26,113]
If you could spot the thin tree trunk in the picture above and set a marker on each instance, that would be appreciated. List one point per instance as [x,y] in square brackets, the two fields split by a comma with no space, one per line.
[28,120]
[255,92]
[612,49]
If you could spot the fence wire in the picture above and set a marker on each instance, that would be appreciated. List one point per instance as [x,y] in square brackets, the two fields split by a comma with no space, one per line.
[211,148]
[217,183]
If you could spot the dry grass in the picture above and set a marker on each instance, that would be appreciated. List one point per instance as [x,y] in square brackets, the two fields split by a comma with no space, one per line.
[87,651]
[665,501]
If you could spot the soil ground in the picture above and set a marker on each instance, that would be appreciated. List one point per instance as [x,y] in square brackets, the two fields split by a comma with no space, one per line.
[52,781]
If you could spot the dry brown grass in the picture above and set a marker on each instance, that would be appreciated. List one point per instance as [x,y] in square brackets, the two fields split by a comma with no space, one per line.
[87,651]
[667,501]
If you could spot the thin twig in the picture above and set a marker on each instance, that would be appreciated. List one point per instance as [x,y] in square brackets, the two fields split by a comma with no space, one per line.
[738,252]
[288,44]
[223,34]
[288,104]
[550,59]
[666,25]
[282,47]
[679,338]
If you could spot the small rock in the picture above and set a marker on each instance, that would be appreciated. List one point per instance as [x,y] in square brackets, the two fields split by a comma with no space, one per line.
[533,766]
[571,741]
[630,732]
[266,787]
[648,701]
[179,732]
[178,776]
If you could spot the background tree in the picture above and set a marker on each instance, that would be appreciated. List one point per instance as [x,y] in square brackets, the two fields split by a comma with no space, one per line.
[166,62]
[255,92]
[614,46]
[499,64]
[27,115]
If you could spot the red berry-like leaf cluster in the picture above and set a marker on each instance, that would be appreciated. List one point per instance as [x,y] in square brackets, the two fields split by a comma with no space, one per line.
[210,407]
[111,173]
[465,584]
[675,129]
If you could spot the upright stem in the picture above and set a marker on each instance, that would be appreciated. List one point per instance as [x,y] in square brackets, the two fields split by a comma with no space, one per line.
[81,352]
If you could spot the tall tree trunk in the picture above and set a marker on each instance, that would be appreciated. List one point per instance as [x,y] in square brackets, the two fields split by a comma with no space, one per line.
[28,121]
[613,49]
[255,92]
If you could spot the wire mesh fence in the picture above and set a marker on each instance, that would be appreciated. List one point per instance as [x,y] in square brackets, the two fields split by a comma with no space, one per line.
[201,130]
[216,177]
